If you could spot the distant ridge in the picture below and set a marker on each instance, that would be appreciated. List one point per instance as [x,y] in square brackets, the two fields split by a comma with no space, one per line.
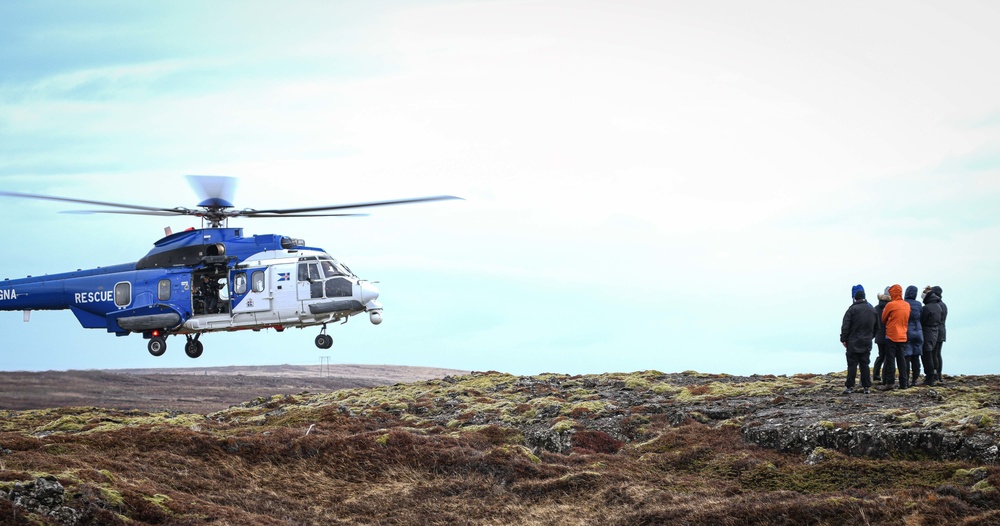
[194,389]
[385,373]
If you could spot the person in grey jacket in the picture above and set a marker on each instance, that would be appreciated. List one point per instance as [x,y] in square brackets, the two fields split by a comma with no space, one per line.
[880,341]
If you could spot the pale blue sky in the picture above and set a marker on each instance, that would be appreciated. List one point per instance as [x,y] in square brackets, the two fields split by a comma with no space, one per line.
[649,185]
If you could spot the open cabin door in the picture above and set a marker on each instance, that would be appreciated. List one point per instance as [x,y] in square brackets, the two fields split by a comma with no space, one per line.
[250,290]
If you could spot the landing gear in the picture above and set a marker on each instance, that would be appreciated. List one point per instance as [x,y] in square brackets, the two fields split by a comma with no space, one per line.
[157,346]
[324,341]
[193,347]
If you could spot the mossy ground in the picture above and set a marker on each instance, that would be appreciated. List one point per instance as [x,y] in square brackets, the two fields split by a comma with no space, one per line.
[644,448]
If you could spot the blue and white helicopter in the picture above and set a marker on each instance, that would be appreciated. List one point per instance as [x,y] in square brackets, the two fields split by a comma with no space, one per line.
[210,279]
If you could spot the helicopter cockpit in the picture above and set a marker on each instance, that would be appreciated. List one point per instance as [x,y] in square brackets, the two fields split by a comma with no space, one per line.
[327,277]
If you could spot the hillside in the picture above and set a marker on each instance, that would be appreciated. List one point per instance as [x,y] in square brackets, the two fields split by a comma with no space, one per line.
[491,448]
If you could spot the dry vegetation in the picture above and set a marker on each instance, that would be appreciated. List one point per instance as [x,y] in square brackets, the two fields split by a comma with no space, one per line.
[491,448]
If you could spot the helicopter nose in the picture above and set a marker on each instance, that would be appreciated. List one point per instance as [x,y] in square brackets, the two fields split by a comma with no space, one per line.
[369,292]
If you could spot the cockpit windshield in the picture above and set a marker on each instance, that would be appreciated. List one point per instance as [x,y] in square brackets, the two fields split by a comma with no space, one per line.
[309,267]
[332,267]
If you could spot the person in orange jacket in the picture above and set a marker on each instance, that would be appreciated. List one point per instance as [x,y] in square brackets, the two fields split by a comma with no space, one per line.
[896,319]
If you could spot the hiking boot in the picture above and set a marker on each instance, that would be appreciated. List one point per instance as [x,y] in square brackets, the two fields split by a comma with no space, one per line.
[866,391]
[885,387]
[876,378]
[847,390]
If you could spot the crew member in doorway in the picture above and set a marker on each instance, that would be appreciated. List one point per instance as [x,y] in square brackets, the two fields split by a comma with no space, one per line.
[210,291]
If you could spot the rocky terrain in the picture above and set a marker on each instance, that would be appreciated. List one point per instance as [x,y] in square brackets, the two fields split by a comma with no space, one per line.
[492,448]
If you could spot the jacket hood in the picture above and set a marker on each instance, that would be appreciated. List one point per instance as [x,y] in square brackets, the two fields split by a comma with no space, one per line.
[854,291]
[911,293]
[884,297]
[937,290]
[896,292]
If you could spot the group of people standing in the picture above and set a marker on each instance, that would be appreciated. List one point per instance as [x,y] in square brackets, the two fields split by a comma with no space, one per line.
[907,332]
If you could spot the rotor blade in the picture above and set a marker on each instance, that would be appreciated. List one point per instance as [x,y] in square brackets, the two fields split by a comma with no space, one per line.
[255,215]
[287,211]
[126,212]
[85,201]
[213,186]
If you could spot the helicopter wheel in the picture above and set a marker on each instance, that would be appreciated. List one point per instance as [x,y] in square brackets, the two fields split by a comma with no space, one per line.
[194,348]
[324,341]
[157,346]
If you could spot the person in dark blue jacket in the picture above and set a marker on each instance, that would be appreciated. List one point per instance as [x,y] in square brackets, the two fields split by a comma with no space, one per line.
[930,319]
[914,334]
[880,340]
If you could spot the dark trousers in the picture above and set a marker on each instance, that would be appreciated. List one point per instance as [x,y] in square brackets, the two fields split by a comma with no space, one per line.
[855,360]
[930,367]
[894,357]
[877,368]
[937,360]
[930,364]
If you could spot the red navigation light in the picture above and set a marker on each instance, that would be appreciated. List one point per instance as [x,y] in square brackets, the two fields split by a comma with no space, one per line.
[156,334]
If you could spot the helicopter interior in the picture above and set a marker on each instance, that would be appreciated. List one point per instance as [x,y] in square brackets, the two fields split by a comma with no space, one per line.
[210,293]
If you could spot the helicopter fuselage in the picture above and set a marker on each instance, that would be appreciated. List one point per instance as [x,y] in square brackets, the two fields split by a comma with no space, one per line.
[201,281]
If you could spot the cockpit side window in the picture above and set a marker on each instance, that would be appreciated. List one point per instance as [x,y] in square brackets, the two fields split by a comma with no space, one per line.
[309,272]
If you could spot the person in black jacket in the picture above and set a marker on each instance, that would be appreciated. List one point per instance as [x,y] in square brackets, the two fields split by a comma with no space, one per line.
[942,334]
[880,340]
[856,333]
[930,319]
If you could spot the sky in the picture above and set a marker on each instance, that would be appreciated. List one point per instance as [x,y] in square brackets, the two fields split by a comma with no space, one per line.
[664,185]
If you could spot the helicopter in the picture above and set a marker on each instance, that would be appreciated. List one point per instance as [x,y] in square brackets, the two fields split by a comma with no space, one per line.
[215,278]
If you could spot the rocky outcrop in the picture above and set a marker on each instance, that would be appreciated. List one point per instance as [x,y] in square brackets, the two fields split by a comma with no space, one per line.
[43,496]
[875,441]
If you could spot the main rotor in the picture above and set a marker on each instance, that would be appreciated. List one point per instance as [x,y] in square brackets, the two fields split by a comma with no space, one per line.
[216,205]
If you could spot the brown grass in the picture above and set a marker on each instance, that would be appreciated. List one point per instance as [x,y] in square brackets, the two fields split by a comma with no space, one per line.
[386,467]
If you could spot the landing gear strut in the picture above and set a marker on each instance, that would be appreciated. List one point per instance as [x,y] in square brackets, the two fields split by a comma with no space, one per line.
[157,346]
[193,347]
[324,341]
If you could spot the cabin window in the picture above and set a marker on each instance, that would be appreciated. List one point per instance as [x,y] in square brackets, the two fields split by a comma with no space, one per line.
[257,281]
[123,294]
[163,290]
[240,283]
